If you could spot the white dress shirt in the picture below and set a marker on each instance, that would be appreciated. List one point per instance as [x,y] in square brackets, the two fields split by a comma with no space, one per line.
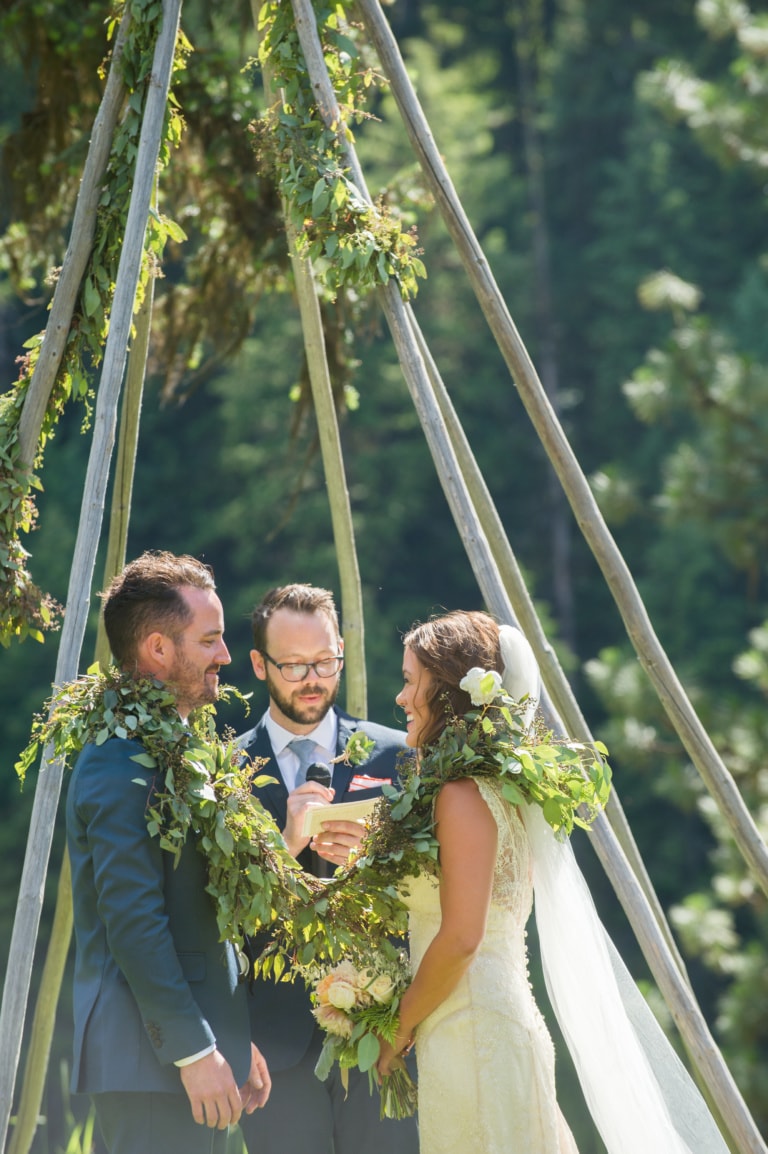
[323,735]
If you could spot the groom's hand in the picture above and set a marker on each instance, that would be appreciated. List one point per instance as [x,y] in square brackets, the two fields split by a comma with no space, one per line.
[212,1091]
[310,793]
[337,840]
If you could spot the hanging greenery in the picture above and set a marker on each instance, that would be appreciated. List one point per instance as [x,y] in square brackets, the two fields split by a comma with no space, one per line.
[203,785]
[350,242]
[24,610]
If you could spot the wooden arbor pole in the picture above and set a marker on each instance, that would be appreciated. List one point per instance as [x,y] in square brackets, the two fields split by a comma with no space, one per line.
[30,898]
[352,617]
[650,652]
[403,327]
[43,1020]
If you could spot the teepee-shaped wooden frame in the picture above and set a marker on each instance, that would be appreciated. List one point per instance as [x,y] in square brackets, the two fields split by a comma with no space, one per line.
[487,547]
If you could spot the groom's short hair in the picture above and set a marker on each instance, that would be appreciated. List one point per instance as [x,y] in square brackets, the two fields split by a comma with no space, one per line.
[146,596]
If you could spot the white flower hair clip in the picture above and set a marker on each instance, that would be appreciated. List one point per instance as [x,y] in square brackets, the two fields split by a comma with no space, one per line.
[482,685]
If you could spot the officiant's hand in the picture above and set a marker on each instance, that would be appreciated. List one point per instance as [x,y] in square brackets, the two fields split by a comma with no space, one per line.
[337,840]
[310,793]
[256,1090]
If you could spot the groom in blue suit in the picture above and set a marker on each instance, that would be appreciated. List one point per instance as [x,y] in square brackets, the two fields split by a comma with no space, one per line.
[298,654]
[162,1042]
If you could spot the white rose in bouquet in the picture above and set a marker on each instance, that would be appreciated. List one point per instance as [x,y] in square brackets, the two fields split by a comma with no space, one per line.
[381,989]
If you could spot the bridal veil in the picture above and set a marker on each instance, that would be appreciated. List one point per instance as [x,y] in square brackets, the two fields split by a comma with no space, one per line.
[639,1094]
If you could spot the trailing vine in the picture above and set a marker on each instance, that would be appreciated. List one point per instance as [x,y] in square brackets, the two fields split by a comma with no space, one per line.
[24,610]
[202,790]
[349,242]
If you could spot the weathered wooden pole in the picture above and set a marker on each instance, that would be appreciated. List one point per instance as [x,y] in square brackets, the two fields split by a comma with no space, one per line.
[43,1021]
[651,654]
[403,327]
[30,898]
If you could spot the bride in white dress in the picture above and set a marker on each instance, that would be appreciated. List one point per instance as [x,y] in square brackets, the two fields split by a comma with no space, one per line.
[485,1058]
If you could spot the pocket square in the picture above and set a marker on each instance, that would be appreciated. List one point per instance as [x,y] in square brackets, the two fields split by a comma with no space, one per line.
[365,781]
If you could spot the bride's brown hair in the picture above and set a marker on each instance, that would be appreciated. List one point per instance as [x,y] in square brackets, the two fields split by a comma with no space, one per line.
[449,646]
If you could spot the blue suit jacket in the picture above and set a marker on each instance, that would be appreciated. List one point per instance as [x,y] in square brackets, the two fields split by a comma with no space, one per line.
[153,983]
[281,1017]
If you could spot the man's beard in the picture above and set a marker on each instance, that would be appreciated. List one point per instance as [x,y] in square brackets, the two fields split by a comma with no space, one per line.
[290,704]
[190,685]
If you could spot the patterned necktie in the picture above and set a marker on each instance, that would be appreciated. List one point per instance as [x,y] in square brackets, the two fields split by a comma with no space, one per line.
[305,751]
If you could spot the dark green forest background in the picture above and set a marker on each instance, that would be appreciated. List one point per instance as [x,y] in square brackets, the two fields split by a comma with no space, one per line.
[612,159]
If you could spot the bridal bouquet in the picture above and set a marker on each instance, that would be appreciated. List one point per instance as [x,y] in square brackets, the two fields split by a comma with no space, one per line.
[355,1007]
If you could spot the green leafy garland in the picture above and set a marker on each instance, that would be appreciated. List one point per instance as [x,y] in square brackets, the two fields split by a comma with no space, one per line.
[25,611]
[349,241]
[569,780]
[203,789]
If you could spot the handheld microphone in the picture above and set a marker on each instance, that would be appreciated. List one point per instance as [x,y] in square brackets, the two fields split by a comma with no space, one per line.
[320,772]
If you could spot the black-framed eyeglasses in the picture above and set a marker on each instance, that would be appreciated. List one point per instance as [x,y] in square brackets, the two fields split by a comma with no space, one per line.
[297,671]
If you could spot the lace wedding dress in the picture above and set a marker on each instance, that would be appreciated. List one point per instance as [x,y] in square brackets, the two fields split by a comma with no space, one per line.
[485,1058]
[486,1063]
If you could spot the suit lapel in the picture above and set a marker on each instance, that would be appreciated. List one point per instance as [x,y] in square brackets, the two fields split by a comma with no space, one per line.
[342,774]
[274,796]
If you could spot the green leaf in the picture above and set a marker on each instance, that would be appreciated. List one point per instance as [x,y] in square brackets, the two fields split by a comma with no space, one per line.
[91,298]
[174,230]
[553,812]
[224,839]
[325,1062]
[512,793]
[368,1051]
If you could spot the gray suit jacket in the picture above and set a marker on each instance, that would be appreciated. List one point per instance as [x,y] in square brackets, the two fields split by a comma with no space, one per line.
[281,1017]
[153,983]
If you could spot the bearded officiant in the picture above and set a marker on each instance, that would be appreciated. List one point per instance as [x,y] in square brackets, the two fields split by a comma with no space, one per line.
[299,655]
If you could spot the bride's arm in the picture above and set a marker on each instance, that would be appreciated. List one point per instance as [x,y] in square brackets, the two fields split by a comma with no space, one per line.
[467,835]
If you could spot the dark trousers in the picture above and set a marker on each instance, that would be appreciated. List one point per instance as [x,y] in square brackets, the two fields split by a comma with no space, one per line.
[136,1123]
[307,1116]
